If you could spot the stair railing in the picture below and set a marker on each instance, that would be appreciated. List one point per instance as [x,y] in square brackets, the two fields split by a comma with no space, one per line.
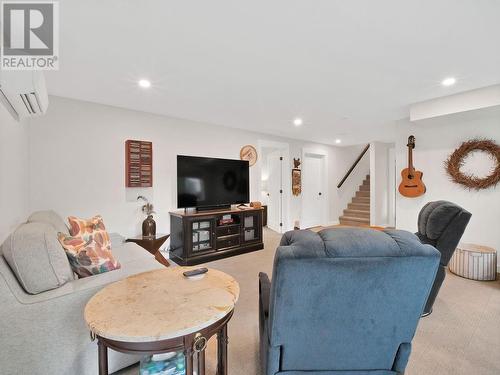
[353,166]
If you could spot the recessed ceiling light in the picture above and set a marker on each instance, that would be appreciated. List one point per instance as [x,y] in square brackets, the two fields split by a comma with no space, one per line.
[337,141]
[450,81]
[144,83]
[298,121]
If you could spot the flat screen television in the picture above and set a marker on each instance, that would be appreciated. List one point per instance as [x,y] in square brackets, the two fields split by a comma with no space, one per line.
[210,182]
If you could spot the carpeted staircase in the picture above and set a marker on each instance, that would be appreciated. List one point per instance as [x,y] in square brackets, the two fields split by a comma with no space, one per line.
[358,211]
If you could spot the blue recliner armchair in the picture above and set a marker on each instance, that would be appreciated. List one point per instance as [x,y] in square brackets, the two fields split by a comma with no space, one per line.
[344,301]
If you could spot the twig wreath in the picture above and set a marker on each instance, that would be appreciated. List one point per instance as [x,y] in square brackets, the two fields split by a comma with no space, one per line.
[456,161]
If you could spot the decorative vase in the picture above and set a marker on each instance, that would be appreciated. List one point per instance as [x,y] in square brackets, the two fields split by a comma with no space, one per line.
[149,227]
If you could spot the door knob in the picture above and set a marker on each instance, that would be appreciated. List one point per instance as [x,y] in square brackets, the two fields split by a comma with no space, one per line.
[320,193]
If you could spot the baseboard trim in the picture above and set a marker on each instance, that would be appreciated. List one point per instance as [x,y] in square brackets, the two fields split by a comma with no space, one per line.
[332,223]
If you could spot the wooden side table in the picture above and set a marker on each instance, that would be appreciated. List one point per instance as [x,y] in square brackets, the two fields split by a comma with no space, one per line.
[162,311]
[152,244]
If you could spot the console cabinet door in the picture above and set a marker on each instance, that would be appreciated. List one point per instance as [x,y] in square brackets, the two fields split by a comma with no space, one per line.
[252,227]
[201,236]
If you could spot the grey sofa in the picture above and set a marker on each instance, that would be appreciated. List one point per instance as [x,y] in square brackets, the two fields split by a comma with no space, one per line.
[43,331]
[441,224]
[344,301]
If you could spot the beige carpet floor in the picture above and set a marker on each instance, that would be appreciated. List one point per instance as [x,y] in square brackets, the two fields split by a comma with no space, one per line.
[461,336]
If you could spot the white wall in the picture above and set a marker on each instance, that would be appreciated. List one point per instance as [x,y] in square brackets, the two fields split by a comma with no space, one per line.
[382,184]
[435,140]
[77,164]
[14,177]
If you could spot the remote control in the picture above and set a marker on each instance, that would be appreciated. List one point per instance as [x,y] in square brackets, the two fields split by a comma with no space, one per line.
[196,272]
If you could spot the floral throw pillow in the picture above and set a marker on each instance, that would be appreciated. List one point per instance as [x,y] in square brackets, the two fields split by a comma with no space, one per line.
[83,227]
[88,247]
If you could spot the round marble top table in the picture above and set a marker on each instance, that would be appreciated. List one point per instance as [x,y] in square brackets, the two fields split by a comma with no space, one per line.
[161,311]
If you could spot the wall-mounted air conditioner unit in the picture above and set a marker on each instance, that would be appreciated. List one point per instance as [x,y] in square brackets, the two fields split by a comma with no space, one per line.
[23,93]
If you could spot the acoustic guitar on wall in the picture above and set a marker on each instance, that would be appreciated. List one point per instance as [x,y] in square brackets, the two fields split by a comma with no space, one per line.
[411,185]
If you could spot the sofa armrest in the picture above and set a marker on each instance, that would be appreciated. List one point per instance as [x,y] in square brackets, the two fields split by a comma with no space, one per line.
[264,292]
[131,264]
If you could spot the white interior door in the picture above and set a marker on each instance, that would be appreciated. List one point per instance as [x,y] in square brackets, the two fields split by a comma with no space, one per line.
[313,194]
[275,191]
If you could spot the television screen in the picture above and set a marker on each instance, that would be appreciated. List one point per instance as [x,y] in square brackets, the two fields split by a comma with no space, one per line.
[206,182]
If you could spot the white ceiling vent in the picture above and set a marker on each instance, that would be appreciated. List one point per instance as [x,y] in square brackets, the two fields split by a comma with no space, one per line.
[23,93]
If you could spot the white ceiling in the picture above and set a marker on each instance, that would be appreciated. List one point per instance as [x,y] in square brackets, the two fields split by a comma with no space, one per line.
[348,68]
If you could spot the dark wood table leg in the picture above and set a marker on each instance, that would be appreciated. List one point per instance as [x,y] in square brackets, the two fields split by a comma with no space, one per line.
[103,358]
[201,362]
[222,342]
[161,259]
[188,354]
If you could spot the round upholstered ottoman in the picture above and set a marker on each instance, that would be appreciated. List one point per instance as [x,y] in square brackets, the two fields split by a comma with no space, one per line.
[474,262]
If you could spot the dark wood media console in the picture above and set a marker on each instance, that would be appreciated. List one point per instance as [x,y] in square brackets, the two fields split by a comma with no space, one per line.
[199,237]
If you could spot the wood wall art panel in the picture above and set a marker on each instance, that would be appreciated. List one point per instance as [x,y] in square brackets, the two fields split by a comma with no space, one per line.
[138,163]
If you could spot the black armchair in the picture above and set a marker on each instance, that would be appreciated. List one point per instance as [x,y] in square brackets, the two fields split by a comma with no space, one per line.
[441,224]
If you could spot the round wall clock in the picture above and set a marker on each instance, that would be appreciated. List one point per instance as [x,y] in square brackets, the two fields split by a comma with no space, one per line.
[249,153]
